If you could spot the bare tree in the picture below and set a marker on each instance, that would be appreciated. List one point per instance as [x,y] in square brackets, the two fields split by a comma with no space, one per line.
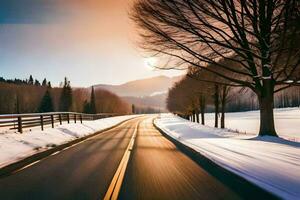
[205,85]
[188,97]
[218,88]
[261,33]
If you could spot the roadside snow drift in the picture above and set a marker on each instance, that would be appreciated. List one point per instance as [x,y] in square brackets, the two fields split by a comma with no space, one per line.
[271,163]
[16,146]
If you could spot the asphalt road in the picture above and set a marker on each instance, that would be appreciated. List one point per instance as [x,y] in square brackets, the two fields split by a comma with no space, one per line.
[80,172]
[156,169]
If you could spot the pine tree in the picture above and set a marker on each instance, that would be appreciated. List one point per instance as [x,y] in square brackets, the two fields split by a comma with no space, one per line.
[66,97]
[44,83]
[30,81]
[86,107]
[133,108]
[46,104]
[37,83]
[93,109]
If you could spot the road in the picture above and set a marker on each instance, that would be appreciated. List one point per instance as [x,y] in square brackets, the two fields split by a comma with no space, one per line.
[155,169]
[158,170]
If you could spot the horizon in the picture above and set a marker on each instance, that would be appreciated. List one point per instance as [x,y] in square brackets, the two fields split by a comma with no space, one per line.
[58,84]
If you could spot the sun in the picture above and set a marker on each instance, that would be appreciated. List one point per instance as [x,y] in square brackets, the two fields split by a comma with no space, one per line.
[150,63]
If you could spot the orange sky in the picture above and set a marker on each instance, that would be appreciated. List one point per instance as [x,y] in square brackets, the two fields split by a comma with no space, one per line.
[90,41]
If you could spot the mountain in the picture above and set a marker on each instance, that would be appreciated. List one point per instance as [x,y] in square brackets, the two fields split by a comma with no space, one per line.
[157,101]
[149,92]
[142,87]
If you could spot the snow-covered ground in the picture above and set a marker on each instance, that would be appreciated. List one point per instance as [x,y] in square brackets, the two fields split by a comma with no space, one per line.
[287,122]
[271,163]
[16,146]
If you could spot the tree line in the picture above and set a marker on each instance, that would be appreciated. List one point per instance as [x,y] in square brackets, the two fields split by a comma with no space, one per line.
[243,44]
[26,96]
[138,109]
[29,81]
[191,100]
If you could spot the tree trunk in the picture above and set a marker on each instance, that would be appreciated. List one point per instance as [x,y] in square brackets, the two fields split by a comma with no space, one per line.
[222,118]
[202,117]
[197,116]
[194,116]
[223,104]
[266,104]
[202,108]
[223,114]
[202,112]
[216,101]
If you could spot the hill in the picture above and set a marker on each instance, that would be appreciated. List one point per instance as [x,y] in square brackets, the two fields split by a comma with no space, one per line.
[149,92]
[142,87]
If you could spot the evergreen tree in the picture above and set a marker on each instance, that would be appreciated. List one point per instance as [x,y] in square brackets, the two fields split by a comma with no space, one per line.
[93,109]
[37,83]
[46,104]
[86,107]
[66,97]
[44,83]
[30,81]
[133,108]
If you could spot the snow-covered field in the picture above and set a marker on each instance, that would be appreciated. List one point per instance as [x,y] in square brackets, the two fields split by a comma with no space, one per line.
[16,146]
[271,163]
[287,122]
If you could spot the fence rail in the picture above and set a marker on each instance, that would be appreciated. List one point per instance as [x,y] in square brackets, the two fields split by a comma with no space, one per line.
[20,121]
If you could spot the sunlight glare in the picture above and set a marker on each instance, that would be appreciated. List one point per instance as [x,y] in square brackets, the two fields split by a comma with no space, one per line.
[150,63]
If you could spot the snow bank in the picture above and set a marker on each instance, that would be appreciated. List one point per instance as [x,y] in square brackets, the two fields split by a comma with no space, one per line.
[15,146]
[286,122]
[271,163]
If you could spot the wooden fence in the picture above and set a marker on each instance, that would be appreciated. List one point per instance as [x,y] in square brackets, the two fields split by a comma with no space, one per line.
[21,121]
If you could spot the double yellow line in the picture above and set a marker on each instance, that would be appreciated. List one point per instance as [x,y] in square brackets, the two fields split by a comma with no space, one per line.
[116,183]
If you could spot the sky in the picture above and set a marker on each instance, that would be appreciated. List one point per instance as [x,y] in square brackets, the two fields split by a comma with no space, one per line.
[88,41]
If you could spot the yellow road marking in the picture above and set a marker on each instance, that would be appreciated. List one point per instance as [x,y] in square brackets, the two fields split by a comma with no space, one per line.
[29,165]
[57,152]
[116,183]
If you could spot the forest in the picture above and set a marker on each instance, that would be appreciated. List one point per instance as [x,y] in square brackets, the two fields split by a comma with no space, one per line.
[29,96]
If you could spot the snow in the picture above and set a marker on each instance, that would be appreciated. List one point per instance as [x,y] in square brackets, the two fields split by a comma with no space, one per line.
[16,146]
[269,162]
[286,122]
[158,93]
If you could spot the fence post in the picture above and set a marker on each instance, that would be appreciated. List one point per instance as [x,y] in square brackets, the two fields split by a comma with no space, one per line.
[60,121]
[68,118]
[52,121]
[20,129]
[75,118]
[80,118]
[42,122]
